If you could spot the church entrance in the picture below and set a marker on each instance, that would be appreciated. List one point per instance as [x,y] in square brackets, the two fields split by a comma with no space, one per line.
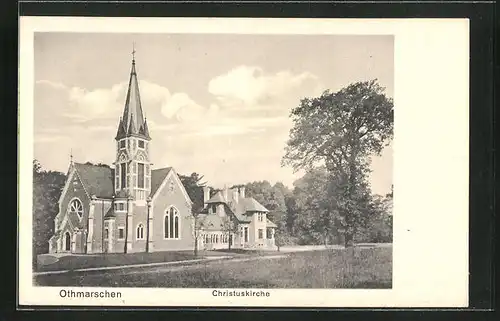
[67,241]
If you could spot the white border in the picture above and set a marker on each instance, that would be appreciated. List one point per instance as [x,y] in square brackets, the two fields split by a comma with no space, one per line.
[430,161]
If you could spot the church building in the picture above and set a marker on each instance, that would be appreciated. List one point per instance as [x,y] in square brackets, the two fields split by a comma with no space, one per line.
[130,207]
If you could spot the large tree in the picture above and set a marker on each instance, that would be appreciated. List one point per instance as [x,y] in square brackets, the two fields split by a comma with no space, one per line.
[47,188]
[281,235]
[194,187]
[342,130]
[317,220]
[292,211]
[272,197]
[229,228]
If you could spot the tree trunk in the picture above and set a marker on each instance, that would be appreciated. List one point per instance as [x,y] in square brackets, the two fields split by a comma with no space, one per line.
[349,235]
[196,246]
[348,239]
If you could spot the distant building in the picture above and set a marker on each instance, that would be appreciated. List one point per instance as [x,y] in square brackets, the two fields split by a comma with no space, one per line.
[131,207]
[251,229]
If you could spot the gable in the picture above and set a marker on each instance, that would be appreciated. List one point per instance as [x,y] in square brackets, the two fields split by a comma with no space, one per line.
[67,184]
[140,156]
[171,181]
[122,157]
[73,189]
[157,178]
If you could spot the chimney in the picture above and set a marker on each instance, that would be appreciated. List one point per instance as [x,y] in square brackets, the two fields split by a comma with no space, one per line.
[235,194]
[225,192]
[206,194]
[242,191]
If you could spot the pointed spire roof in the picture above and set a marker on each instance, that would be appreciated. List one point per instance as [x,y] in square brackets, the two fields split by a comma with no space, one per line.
[133,116]
[131,126]
[121,132]
[145,129]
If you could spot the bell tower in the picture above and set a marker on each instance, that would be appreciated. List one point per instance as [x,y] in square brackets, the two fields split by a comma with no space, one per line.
[132,164]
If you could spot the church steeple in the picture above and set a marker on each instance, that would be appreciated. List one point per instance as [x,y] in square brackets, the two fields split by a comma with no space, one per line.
[133,117]
[133,165]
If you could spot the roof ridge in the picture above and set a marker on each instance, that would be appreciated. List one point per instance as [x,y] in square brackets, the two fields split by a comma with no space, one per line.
[157,169]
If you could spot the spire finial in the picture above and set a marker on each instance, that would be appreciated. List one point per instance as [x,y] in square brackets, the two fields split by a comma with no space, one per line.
[71,156]
[133,52]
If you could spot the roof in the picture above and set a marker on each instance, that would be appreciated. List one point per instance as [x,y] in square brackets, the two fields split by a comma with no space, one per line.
[244,206]
[133,121]
[121,194]
[217,198]
[270,224]
[110,213]
[157,177]
[251,205]
[96,179]
[241,208]
[211,222]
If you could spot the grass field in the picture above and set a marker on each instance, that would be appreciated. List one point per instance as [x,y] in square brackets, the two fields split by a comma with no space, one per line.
[72,262]
[354,268]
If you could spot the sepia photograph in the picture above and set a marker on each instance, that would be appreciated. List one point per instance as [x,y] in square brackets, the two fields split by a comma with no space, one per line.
[237,164]
[211,161]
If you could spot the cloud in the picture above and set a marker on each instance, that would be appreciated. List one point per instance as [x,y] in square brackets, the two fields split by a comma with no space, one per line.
[80,105]
[225,130]
[48,138]
[181,107]
[101,128]
[252,86]
[97,103]
[56,85]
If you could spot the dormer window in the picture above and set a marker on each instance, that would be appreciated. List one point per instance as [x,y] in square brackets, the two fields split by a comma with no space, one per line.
[141,144]
[122,144]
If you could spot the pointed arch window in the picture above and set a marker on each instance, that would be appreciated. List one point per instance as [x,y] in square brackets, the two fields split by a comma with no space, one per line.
[139,235]
[76,208]
[140,175]
[171,224]
[123,175]
[67,241]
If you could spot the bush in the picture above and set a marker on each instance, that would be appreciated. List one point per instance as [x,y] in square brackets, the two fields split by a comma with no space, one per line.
[378,230]
[286,239]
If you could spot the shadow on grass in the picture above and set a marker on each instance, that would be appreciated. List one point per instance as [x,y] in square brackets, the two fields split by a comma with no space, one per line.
[366,268]
[73,262]
[373,285]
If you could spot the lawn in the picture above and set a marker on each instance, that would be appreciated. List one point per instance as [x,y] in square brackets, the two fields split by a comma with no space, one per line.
[114,259]
[356,268]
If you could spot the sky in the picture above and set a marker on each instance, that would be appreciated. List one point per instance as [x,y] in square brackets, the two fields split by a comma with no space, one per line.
[218,105]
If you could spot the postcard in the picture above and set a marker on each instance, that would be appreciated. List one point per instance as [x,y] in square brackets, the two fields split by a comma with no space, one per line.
[243,162]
